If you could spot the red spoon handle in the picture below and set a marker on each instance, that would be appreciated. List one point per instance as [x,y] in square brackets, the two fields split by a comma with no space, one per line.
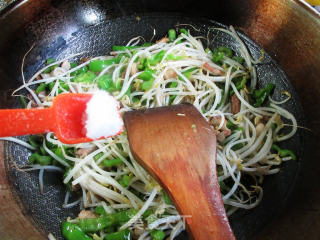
[15,122]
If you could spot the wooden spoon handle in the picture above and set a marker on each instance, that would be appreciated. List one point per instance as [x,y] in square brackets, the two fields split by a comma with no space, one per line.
[178,147]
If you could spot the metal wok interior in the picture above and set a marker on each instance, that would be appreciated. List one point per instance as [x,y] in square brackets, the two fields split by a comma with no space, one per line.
[288,30]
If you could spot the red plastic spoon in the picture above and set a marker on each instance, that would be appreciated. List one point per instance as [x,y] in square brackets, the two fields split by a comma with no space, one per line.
[64,118]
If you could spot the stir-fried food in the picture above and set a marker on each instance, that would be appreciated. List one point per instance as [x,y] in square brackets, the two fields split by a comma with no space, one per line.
[118,198]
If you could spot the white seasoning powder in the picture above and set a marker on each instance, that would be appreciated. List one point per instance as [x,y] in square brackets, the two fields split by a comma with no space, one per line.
[103,117]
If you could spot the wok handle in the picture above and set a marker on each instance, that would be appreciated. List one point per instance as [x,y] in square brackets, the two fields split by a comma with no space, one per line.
[16,122]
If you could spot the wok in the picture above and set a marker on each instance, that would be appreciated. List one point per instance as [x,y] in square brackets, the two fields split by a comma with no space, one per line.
[286,29]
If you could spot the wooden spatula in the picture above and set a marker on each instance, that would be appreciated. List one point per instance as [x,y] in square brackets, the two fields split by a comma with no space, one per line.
[178,147]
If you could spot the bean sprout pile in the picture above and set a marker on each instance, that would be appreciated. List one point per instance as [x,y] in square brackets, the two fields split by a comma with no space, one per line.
[116,195]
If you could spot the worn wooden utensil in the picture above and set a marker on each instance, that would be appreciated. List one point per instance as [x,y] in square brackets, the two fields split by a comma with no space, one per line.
[178,147]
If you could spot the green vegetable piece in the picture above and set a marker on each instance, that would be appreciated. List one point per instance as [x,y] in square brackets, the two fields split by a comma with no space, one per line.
[240,84]
[43,151]
[73,232]
[260,95]
[147,85]
[237,146]
[208,51]
[123,48]
[217,56]
[166,198]
[226,51]
[99,65]
[156,58]
[223,186]
[173,84]
[112,162]
[147,213]
[188,73]
[238,59]
[184,31]
[50,61]
[172,35]
[284,152]
[64,85]
[37,158]
[98,156]
[59,153]
[35,141]
[100,210]
[147,75]
[157,235]
[125,180]
[42,87]
[171,57]
[91,225]
[124,216]
[84,69]
[121,235]
[23,101]
[105,83]
[87,77]
[146,44]
[73,65]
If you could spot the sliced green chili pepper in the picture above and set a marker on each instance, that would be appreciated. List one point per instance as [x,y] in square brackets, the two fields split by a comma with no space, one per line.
[95,224]
[157,235]
[147,213]
[111,162]
[188,73]
[48,62]
[146,44]
[73,232]
[64,85]
[172,35]
[42,87]
[124,216]
[83,69]
[121,235]
[284,152]
[100,210]
[73,65]
[122,48]
[156,58]
[43,151]
[171,57]
[217,56]
[125,180]
[261,94]
[37,158]
[35,141]
[238,59]
[240,84]
[166,198]
[87,77]
[23,101]
[184,31]
[146,85]
[99,65]
[105,83]
[147,75]
[226,51]
[98,156]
